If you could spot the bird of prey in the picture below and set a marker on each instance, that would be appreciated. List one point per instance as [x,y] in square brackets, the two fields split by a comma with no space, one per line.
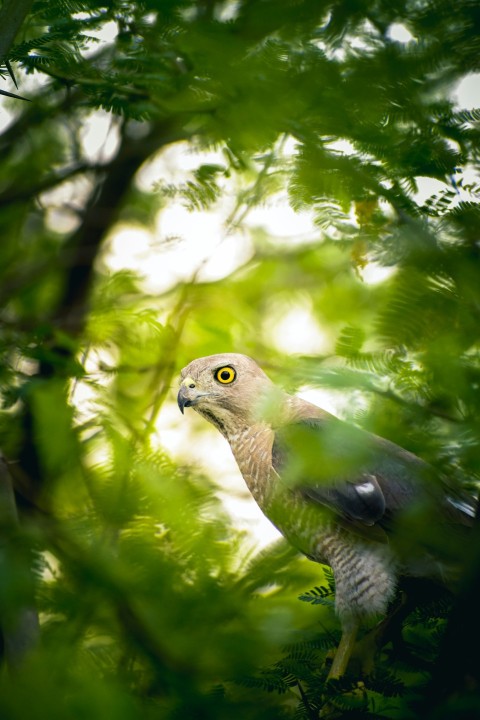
[339,494]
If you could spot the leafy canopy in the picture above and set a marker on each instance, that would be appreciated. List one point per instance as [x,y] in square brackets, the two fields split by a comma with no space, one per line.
[150,601]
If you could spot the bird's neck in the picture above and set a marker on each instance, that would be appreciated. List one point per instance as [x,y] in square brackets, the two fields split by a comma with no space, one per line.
[252,448]
[225,422]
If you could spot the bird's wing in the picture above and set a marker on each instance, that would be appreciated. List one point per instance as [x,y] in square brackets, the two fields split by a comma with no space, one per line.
[361,499]
[367,481]
[359,476]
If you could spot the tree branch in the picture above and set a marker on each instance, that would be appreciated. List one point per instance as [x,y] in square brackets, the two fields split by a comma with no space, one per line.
[19,633]
[101,213]
[15,195]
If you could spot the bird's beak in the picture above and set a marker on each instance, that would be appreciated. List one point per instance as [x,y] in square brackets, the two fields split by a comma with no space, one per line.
[182,399]
[187,395]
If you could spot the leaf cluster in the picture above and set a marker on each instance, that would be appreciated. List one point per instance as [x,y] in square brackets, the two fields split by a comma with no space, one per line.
[150,602]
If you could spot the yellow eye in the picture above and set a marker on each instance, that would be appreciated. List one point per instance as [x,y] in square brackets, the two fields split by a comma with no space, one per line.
[225,375]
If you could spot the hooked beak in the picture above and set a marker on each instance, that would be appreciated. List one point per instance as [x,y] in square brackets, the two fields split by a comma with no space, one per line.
[189,394]
[183,399]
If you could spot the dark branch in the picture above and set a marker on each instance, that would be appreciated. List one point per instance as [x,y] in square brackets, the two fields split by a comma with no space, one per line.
[19,634]
[99,216]
[24,194]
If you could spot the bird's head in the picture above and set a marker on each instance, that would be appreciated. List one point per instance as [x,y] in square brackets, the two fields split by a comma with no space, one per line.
[225,389]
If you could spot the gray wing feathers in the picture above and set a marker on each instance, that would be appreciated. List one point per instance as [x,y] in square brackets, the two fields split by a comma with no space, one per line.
[382,481]
[362,500]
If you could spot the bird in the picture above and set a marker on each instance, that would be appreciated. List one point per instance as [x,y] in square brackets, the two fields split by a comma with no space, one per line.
[341,495]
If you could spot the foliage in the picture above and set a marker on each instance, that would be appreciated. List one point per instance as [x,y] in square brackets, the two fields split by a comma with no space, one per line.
[150,602]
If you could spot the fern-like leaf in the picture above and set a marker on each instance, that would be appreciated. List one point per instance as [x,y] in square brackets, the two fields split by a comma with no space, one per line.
[322,594]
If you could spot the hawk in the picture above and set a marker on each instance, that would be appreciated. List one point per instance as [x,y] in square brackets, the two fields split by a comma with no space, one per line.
[341,495]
